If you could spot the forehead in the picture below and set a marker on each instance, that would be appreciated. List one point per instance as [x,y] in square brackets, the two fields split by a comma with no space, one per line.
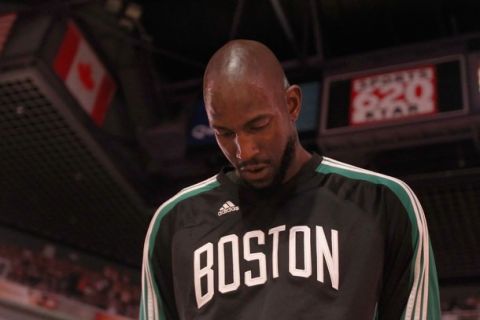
[234,99]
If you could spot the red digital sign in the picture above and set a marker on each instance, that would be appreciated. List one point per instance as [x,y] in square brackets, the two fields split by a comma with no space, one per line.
[393,95]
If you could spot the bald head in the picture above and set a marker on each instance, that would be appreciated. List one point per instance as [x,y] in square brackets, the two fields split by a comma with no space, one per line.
[244,60]
[253,110]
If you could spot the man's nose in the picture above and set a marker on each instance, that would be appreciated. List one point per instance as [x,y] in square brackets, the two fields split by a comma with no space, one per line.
[247,148]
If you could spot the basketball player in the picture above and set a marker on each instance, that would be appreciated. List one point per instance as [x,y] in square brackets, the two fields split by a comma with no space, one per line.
[283,234]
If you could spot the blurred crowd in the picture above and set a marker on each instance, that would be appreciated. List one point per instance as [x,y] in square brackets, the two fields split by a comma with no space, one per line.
[461,307]
[109,288]
[114,291]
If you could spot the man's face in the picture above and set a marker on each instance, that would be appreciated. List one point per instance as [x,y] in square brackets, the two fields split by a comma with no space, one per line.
[253,129]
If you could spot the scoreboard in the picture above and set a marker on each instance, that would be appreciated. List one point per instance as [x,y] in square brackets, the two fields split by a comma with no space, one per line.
[397,99]
[393,95]
[388,96]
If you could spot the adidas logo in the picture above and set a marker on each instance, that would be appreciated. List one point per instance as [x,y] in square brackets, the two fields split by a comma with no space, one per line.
[227,208]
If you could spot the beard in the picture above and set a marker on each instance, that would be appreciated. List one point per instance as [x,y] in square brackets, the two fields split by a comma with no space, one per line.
[285,162]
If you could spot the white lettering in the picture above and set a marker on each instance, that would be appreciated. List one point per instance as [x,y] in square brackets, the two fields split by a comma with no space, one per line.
[206,271]
[331,257]
[259,256]
[275,232]
[307,252]
[222,286]
[299,244]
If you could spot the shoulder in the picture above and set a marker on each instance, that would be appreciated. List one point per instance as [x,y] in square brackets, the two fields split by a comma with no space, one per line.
[396,195]
[185,195]
[355,175]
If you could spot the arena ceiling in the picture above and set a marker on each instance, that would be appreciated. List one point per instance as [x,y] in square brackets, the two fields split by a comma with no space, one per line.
[185,33]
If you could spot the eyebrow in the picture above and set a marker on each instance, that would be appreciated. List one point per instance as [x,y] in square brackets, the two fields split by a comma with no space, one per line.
[249,122]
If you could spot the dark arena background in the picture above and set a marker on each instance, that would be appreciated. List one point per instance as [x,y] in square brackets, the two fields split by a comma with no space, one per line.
[101,120]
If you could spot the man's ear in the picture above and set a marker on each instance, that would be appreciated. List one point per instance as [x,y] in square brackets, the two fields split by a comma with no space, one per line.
[294,101]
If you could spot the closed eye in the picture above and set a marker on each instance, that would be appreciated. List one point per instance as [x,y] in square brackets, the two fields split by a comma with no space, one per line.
[224,133]
[259,124]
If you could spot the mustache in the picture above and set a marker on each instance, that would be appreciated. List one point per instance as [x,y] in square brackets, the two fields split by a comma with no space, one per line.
[243,164]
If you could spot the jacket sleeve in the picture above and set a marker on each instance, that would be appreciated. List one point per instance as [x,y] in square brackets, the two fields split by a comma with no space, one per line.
[410,285]
[157,298]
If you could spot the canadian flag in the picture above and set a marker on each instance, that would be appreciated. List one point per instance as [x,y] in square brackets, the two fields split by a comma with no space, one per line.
[84,75]
[6,23]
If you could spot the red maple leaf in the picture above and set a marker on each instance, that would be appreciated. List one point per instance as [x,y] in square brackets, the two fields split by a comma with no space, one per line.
[85,74]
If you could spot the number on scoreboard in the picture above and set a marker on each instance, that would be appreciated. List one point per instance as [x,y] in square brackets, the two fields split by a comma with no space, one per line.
[394,95]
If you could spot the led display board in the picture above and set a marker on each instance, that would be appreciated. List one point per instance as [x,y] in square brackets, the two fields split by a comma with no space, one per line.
[397,94]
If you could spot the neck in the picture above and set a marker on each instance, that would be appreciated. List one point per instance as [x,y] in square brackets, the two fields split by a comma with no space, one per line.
[301,156]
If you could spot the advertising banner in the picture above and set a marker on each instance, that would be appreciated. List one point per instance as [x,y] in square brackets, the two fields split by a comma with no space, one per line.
[394,95]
